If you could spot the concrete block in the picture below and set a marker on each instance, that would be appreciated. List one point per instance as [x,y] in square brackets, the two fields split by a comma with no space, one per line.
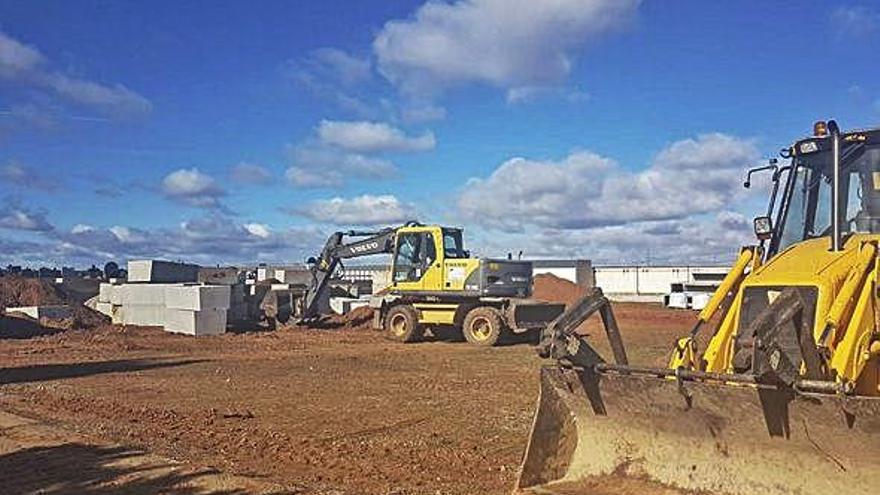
[37,312]
[293,276]
[205,322]
[198,297]
[342,305]
[156,271]
[104,308]
[105,292]
[143,315]
[218,276]
[142,294]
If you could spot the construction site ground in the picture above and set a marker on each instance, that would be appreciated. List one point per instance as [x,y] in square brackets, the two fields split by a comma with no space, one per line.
[337,410]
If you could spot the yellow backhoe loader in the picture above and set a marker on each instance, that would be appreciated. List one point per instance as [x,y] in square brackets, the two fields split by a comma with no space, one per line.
[776,390]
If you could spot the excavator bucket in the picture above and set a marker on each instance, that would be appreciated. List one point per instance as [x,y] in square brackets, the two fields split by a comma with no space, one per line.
[626,433]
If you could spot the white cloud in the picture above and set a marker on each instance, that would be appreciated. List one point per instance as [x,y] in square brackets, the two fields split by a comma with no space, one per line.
[260,230]
[360,210]
[27,67]
[371,137]
[16,57]
[336,65]
[250,173]
[192,187]
[14,217]
[114,100]
[504,43]
[320,166]
[81,228]
[855,21]
[585,190]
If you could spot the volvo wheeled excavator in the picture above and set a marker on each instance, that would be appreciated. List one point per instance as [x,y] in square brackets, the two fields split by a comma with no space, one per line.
[776,389]
[435,283]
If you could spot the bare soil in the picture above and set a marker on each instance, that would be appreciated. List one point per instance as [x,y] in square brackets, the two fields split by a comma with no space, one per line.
[336,410]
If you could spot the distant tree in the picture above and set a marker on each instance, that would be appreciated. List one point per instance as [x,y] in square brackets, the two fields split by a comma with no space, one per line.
[111,270]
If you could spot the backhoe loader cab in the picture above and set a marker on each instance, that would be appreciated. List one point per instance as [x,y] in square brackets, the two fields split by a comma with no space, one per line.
[775,390]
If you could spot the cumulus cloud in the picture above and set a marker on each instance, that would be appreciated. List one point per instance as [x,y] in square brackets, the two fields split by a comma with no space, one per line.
[321,166]
[250,173]
[585,190]
[371,137]
[211,239]
[192,187]
[17,217]
[360,210]
[26,67]
[504,43]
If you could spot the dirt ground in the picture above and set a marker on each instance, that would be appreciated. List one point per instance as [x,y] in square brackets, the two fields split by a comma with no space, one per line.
[338,410]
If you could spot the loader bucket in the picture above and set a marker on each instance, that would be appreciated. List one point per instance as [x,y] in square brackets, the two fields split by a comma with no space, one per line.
[598,434]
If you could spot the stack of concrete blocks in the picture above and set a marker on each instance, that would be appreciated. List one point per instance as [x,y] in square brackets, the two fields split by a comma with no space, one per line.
[231,277]
[143,304]
[161,272]
[197,309]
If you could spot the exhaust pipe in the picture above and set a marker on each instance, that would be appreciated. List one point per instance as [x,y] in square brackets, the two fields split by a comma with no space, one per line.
[835,186]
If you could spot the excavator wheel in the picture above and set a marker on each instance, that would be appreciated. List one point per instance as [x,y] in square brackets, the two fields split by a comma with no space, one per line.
[483,326]
[402,324]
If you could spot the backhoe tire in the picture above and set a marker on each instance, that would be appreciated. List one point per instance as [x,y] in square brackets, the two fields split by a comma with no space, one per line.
[402,324]
[483,326]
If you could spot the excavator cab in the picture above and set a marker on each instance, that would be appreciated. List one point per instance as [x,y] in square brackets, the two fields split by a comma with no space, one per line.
[775,390]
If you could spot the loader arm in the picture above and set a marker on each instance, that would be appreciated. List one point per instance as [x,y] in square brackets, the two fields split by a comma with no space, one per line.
[335,250]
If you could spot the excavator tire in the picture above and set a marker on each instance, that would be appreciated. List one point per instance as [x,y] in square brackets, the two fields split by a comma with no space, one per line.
[483,326]
[402,324]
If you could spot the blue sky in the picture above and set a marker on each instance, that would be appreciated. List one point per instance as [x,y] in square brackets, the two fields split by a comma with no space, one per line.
[228,132]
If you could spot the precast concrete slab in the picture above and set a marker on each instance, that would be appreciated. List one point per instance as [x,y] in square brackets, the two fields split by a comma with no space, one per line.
[143,315]
[37,312]
[143,294]
[198,297]
[204,322]
[156,271]
[218,276]
[105,292]
[104,308]
[293,276]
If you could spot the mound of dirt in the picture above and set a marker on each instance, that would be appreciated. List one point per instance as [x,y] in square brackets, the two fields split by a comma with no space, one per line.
[17,291]
[356,319]
[550,288]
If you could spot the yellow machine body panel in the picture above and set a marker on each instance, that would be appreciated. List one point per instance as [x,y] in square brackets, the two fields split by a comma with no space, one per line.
[457,271]
[436,314]
[811,265]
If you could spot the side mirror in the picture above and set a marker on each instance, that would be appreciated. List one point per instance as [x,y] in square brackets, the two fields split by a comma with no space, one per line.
[763,228]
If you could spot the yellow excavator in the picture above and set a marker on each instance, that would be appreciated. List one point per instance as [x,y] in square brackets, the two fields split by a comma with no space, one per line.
[436,284]
[776,390]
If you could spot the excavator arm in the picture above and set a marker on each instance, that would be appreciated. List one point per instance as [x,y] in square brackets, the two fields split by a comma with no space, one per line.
[335,250]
